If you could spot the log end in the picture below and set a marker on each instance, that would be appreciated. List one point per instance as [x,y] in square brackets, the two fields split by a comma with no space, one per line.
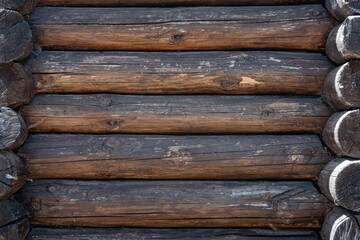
[22,6]
[340,9]
[10,212]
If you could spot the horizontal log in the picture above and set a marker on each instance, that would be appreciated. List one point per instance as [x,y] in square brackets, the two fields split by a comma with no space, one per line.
[342,86]
[343,42]
[341,9]
[173,157]
[341,224]
[151,234]
[16,85]
[13,130]
[110,113]
[342,133]
[198,28]
[179,73]
[14,224]
[16,37]
[174,203]
[22,6]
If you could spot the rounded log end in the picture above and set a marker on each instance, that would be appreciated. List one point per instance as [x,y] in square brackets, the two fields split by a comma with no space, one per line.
[340,9]
[22,6]
[342,133]
[342,86]
[10,212]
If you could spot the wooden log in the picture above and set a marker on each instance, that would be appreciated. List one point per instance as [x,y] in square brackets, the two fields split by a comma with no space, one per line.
[16,84]
[15,231]
[341,224]
[342,133]
[343,42]
[15,36]
[13,130]
[173,157]
[198,28]
[13,222]
[22,6]
[111,113]
[180,73]
[342,86]
[341,9]
[12,173]
[151,234]
[174,203]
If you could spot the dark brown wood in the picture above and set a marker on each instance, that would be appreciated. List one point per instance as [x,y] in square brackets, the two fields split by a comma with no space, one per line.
[342,133]
[16,85]
[174,203]
[15,36]
[179,73]
[111,113]
[13,222]
[341,224]
[340,9]
[12,173]
[173,157]
[343,42]
[13,130]
[342,86]
[15,231]
[197,28]
[22,6]
[152,234]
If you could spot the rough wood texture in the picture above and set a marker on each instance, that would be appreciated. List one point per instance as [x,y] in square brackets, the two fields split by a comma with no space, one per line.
[180,73]
[13,222]
[341,224]
[342,133]
[173,157]
[342,86]
[15,231]
[152,234]
[22,6]
[110,113]
[174,203]
[340,9]
[202,28]
[343,42]
[13,130]
[15,36]
[16,85]
[12,174]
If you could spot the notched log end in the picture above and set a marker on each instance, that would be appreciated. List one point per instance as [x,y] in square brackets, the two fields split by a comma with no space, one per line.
[340,9]
[22,6]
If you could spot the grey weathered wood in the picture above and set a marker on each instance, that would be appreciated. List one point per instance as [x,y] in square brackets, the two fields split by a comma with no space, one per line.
[15,231]
[13,130]
[16,85]
[342,133]
[340,9]
[14,224]
[342,86]
[22,6]
[343,42]
[15,36]
[340,224]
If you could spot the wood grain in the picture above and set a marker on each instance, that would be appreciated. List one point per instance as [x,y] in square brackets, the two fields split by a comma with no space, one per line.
[341,9]
[22,6]
[200,28]
[14,224]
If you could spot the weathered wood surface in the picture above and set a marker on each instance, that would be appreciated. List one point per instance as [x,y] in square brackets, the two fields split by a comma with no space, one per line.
[15,36]
[22,6]
[342,133]
[13,222]
[185,234]
[198,28]
[173,157]
[341,224]
[343,42]
[179,73]
[174,203]
[12,173]
[13,130]
[16,85]
[111,113]
[340,9]
[342,86]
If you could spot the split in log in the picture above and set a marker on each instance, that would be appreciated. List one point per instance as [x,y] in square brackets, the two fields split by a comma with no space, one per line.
[342,86]
[12,174]
[343,42]
[15,36]
[13,131]
[342,133]
[341,9]
[152,234]
[14,224]
[341,224]
[22,6]
[340,182]
[16,85]
[111,113]
[180,73]
[203,28]
[174,203]
[173,157]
